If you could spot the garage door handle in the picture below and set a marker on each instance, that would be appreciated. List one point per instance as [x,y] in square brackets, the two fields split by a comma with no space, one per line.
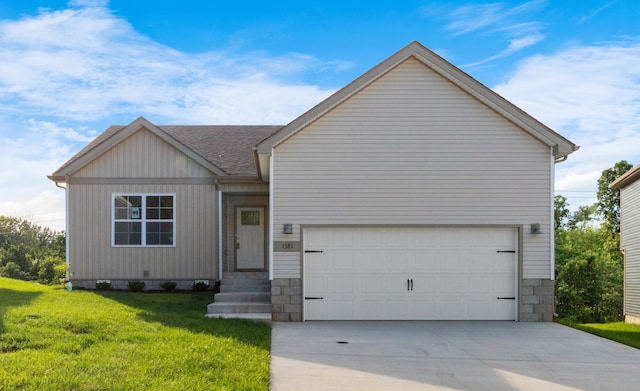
[410,284]
[313,251]
[505,298]
[314,298]
[506,251]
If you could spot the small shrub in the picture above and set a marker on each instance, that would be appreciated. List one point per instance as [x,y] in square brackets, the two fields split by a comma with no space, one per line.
[200,286]
[103,285]
[13,270]
[51,270]
[136,285]
[168,285]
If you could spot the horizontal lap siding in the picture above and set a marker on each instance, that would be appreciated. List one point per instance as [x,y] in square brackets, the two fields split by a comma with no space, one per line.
[413,149]
[92,256]
[630,241]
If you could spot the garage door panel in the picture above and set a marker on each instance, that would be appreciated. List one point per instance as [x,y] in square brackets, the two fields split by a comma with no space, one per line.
[503,285]
[479,285]
[426,239]
[423,284]
[343,240]
[480,262]
[450,284]
[452,260]
[342,284]
[343,309]
[318,309]
[372,309]
[373,262]
[450,308]
[397,284]
[399,239]
[425,262]
[456,273]
[343,261]
[396,309]
[425,309]
[372,284]
[399,262]
[479,308]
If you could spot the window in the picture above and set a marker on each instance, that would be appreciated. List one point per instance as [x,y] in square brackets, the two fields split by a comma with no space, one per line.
[143,220]
[250,217]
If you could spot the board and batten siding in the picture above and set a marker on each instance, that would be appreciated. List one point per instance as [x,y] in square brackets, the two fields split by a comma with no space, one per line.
[145,161]
[630,242]
[93,257]
[413,149]
[143,155]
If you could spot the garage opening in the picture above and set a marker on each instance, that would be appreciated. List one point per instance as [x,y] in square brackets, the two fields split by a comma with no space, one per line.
[410,273]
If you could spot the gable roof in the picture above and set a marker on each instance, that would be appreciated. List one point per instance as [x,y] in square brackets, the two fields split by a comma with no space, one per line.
[626,179]
[223,150]
[562,147]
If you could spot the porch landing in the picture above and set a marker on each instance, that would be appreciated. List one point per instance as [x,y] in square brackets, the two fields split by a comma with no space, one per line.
[243,295]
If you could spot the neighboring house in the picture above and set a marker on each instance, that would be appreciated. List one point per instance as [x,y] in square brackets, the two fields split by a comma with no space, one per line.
[414,192]
[629,186]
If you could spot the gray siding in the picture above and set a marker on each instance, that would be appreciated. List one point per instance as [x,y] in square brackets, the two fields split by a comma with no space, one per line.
[143,154]
[630,242]
[144,161]
[412,148]
[91,255]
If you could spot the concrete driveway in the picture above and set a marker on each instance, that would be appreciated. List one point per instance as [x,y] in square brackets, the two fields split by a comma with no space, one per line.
[413,355]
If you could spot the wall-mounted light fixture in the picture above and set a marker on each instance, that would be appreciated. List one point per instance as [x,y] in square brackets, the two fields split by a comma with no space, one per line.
[288,229]
[535,228]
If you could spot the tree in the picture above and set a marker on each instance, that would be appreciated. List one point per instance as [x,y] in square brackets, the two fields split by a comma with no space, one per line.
[582,217]
[26,248]
[609,199]
[561,212]
[589,264]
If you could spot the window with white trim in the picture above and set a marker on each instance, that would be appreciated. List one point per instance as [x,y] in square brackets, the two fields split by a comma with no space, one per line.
[143,220]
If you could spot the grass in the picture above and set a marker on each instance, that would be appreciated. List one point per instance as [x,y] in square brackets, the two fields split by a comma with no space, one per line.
[625,333]
[52,339]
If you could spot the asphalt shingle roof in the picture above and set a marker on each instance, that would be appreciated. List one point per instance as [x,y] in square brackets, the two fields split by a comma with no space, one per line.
[228,147]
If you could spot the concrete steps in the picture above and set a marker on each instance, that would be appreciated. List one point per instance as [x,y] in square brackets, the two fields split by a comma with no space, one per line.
[242,295]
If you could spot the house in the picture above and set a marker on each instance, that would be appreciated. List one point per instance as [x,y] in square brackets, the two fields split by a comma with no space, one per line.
[629,187]
[414,192]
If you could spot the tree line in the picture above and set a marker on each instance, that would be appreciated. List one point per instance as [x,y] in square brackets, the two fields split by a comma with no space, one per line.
[589,265]
[31,252]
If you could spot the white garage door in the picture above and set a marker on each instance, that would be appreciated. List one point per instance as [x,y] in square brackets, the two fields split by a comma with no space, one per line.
[410,273]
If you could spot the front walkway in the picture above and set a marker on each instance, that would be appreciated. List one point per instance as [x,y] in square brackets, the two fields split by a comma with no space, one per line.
[412,355]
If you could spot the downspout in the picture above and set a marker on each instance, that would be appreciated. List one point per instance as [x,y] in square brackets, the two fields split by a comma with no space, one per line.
[552,238]
[219,235]
[271,224]
[66,224]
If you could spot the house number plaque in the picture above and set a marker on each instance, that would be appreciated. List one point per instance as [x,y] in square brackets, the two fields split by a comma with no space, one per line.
[286,246]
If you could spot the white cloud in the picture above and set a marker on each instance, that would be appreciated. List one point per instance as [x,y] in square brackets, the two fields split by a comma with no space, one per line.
[489,17]
[42,209]
[85,64]
[29,151]
[60,69]
[515,23]
[515,45]
[591,95]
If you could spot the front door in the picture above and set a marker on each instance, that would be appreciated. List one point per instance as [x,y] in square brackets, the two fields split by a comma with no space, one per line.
[250,232]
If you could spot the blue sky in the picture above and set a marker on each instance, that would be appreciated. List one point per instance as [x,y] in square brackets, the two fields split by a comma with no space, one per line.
[69,69]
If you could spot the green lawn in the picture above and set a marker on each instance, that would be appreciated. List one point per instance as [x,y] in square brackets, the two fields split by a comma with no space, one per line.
[52,339]
[625,333]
